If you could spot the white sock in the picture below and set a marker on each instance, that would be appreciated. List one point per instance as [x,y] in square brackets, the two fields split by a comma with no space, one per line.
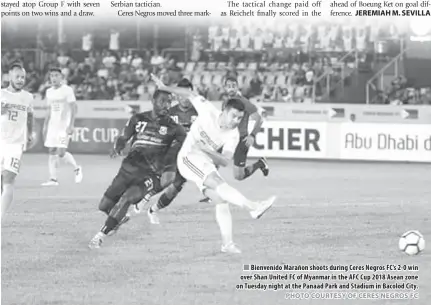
[6,198]
[154,207]
[52,165]
[224,220]
[231,195]
[69,159]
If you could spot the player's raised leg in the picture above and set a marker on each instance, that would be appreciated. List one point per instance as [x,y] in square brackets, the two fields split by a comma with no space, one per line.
[204,182]
[205,175]
[214,183]
[218,189]
[240,170]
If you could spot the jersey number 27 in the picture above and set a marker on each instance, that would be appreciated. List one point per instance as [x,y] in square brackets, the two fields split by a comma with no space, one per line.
[140,126]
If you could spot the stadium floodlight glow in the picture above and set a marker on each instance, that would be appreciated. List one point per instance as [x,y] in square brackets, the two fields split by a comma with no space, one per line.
[421,30]
[420,27]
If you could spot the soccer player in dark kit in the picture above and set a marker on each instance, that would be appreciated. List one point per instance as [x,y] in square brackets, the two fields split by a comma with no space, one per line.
[155,142]
[184,114]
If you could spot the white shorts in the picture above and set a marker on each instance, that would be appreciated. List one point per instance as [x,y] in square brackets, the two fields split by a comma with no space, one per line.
[57,138]
[11,157]
[195,168]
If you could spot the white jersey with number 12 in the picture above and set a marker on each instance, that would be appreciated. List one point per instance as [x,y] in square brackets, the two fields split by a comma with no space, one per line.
[16,106]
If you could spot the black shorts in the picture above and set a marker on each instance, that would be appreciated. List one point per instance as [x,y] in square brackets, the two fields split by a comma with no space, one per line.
[241,152]
[172,167]
[132,173]
[179,180]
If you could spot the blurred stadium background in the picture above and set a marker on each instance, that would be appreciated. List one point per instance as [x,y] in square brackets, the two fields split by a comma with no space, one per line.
[339,62]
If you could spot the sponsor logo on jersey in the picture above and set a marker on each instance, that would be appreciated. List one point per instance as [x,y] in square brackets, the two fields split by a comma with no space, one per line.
[208,140]
[10,106]
[163,130]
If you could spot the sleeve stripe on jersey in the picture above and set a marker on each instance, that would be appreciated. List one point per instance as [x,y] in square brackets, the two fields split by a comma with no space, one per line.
[145,142]
[193,168]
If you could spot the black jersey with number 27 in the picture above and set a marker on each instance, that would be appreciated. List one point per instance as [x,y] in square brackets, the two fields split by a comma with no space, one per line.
[152,139]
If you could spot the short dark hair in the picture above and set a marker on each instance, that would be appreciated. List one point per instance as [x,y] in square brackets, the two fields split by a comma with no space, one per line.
[16,65]
[230,79]
[234,103]
[159,92]
[55,69]
[185,83]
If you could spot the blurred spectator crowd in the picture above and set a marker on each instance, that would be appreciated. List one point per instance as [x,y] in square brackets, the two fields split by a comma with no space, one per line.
[400,92]
[272,62]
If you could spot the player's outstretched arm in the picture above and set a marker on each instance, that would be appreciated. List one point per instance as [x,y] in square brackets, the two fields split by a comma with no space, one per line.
[183,92]
[218,158]
[128,132]
[195,98]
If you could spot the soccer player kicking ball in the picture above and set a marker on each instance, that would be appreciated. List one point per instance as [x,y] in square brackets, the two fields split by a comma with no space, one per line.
[240,170]
[199,158]
[16,131]
[153,137]
[58,126]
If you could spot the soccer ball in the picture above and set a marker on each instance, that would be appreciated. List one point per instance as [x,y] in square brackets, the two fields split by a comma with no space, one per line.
[412,242]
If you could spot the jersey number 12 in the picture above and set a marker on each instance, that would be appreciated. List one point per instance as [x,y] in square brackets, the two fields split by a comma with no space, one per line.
[13,115]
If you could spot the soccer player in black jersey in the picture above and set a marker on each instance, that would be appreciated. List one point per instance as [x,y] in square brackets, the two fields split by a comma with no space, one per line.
[184,114]
[155,142]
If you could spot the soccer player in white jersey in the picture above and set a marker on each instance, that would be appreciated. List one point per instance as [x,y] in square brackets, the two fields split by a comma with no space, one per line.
[199,158]
[58,126]
[16,131]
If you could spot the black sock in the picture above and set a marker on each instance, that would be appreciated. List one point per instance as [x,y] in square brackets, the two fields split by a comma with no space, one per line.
[164,201]
[249,170]
[110,224]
